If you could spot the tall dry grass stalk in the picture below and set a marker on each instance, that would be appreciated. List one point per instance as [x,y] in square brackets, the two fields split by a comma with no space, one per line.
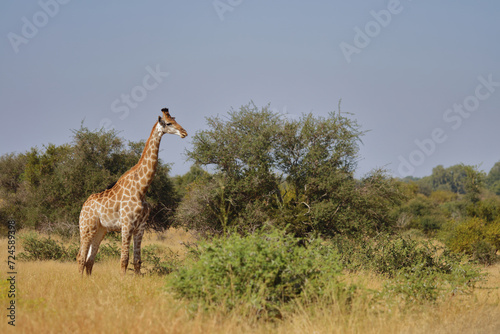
[53,298]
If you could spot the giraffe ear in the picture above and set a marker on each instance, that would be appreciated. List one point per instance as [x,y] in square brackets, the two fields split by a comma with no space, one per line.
[161,121]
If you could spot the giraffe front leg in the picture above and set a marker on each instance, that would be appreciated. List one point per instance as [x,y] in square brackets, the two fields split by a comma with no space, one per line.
[138,234]
[137,250]
[126,236]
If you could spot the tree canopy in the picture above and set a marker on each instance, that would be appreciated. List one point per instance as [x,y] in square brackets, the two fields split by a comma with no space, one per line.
[297,173]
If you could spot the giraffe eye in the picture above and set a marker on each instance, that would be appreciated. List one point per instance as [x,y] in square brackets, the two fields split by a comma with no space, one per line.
[168,124]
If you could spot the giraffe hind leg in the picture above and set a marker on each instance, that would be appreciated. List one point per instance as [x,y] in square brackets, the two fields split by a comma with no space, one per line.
[88,229]
[94,247]
[82,255]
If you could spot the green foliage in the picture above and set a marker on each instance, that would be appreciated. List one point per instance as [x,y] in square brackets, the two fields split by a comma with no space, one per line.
[459,179]
[163,199]
[443,196]
[421,213]
[457,195]
[388,255]
[159,265]
[261,272]
[420,283]
[493,179]
[345,206]
[11,167]
[182,182]
[296,173]
[487,209]
[417,271]
[466,234]
[39,248]
[201,209]
[493,234]
[476,238]
[109,250]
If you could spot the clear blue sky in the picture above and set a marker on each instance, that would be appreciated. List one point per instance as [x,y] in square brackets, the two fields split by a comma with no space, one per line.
[422,76]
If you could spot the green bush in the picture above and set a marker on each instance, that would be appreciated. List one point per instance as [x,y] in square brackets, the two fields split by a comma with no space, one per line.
[422,213]
[158,265]
[493,234]
[419,282]
[393,255]
[389,255]
[37,247]
[260,273]
[415,284]
[476,238]
[110,250]
[417,271]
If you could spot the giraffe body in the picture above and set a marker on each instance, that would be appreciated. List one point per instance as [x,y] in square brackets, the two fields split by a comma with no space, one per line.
[123,207]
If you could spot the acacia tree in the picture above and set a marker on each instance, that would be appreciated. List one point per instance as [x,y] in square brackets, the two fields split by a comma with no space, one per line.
[295,173]
[241,151]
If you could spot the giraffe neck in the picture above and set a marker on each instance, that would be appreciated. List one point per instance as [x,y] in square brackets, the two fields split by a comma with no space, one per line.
[145,169]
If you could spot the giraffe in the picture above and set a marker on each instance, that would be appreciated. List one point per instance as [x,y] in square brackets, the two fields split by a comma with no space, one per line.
[122,207]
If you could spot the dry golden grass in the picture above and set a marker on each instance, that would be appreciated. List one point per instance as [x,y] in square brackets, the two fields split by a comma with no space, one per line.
[53,298]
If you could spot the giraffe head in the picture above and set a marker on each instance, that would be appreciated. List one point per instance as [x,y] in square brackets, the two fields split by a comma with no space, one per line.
[167,124]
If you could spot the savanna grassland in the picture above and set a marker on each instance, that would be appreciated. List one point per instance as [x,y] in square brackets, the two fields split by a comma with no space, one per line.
[52,297]
[288,238]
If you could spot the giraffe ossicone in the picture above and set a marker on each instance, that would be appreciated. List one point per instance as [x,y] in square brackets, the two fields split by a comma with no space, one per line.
[122,207]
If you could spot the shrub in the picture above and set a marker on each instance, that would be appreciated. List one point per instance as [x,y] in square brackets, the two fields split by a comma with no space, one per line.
[417,271]
[201,208]
[110,250]
[493,234]
[483,252]
[419,283]
[37,247]
[422,213]
[487,209]
[159,265]
[260,273]
[476,238]
[388,255]
[443,196]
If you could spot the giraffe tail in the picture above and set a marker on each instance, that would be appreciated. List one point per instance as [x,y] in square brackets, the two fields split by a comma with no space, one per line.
[88,254]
